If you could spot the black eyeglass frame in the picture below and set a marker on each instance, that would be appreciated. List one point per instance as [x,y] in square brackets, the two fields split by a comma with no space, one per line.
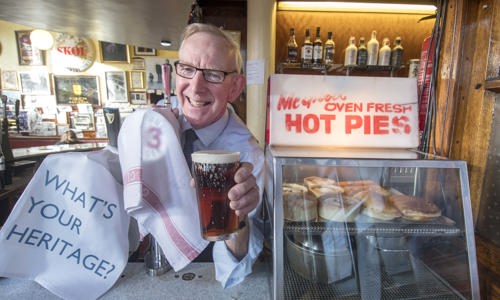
[176,63]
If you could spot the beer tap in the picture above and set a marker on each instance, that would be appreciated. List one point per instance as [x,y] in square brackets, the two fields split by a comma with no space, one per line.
[155,262]
[6,149]
[166,70]
[17,115]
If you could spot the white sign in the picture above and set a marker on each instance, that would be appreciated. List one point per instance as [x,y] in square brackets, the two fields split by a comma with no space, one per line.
[255,71]
[76,54]
[69,230]
[344,111]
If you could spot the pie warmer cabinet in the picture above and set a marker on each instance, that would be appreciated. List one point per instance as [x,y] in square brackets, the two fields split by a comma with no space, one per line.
[361,255]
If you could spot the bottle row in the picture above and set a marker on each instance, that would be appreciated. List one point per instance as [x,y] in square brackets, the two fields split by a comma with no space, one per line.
[317,54]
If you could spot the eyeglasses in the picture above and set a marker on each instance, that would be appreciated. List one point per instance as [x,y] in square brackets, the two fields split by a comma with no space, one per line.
[188,71]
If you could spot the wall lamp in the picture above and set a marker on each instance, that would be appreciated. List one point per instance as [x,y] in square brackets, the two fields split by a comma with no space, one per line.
[355,7]
[42,39]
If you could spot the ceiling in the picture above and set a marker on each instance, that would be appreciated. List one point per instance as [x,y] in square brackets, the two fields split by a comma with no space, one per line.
[133,22]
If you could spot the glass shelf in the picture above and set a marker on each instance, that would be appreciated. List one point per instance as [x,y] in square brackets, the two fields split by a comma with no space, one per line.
[340,69]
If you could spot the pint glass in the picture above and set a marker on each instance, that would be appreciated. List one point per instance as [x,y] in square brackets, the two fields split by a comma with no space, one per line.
[213,172]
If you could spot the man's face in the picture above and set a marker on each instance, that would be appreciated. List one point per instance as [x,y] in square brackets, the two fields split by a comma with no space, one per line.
[203,102]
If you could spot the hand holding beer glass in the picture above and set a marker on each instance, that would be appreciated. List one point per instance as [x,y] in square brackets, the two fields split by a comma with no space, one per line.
[213,172]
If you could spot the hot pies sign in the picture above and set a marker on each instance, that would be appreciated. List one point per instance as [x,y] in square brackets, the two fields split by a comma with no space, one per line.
[316,110]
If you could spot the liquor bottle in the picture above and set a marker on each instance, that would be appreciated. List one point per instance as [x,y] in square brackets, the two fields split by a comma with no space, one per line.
[307,51]
[397,53]
[372,48]
[384,54]
[292,48]
[329,50]
[317,48]
[362,53]
[351,52]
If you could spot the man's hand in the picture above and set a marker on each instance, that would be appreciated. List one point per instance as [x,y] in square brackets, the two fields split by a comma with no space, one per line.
[244,198]
[244,195]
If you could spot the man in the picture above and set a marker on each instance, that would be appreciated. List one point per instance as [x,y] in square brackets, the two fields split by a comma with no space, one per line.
[208,80]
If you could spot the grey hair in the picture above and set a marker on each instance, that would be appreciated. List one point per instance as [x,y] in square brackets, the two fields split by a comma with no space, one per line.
[232,45]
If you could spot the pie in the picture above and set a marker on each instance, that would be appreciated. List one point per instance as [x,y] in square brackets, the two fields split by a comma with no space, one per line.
[298,204]
[415,208]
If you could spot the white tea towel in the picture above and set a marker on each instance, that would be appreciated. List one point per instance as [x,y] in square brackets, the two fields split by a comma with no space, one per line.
[69,230]
[156,181]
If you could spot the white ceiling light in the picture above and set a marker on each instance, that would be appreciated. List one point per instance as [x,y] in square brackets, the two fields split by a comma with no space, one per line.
[166,43]
[356,7]
[42,39]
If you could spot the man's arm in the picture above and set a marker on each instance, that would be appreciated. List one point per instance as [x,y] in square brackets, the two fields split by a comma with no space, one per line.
[239,245]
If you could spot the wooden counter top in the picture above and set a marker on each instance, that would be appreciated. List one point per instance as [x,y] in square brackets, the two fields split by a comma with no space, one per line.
[26,141]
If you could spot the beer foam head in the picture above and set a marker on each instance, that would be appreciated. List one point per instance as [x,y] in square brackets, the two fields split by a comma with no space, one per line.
[215,156]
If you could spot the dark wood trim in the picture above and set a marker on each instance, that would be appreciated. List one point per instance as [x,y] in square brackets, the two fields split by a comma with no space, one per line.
[492,85]
[488,259]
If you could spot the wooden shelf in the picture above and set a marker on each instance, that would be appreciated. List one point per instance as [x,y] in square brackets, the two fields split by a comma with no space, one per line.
[492,85]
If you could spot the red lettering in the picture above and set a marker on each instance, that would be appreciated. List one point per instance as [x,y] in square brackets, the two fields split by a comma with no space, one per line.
[401,123]
[288,103]
[352,122]
[307,102]
[369,106]
[290,122]
[380,124]
[74,51]
[369,124]
[311,123]
[328,122]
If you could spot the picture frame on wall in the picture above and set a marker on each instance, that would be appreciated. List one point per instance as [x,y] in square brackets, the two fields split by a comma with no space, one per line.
[113,52]
[116,86]
[154,78]
[138,98]
[76,89]
[143,51]
[137,80]
[138,63]
[34,83]
[28,55]
[9,80]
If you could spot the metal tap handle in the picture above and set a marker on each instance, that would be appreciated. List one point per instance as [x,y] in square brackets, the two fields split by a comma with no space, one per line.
[155,262]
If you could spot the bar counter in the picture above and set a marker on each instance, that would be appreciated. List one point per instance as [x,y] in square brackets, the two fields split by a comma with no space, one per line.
[196,281]
[42,151]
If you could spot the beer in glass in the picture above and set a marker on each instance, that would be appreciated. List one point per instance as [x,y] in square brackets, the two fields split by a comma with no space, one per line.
[213,172]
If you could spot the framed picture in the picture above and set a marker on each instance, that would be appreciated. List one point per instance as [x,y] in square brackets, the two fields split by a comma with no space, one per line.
[35,83]
[138,98]
[28,55]
[116,86]
[138,63]
[9,80]
[143,51]
[113,52]
[137,80]
[154,73]
[76,89]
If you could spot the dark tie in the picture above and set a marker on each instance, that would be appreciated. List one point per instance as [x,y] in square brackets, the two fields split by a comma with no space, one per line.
[189,138]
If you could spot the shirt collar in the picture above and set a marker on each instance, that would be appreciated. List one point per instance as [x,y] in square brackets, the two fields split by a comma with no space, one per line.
[208,134]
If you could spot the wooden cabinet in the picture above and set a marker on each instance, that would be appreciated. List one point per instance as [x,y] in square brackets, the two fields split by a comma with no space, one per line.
[344,25]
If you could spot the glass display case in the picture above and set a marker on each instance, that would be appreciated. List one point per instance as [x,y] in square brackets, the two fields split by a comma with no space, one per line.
[369,224]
